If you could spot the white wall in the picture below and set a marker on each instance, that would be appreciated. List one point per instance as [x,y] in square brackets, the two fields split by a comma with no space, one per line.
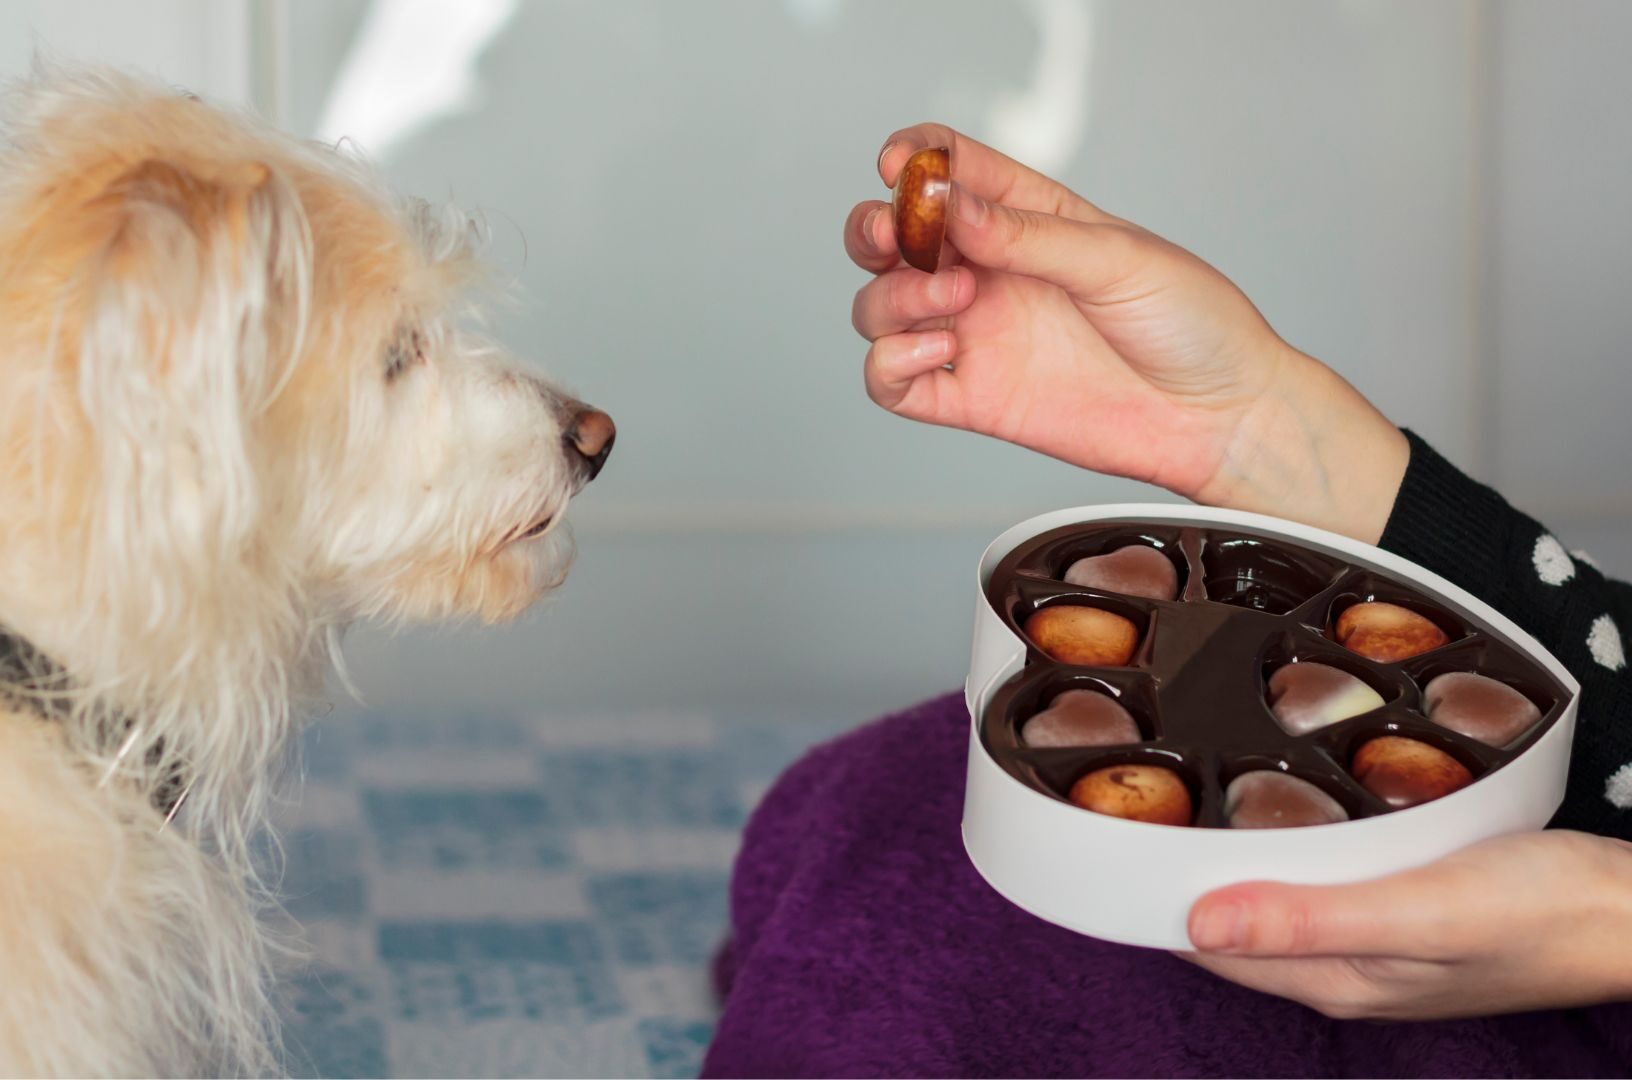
[765,536]
[201,44]
[1561,301]
[1431,197]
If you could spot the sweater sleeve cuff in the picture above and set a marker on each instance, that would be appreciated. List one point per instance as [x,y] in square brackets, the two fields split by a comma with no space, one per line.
[1450,523]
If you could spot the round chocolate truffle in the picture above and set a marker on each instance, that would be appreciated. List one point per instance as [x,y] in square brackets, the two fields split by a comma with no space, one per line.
[1387,632]
[1080,718]
[1307,696]
[1136,792]
[1479,707]
[1405,772]
[1267,799]
[1135,570]
[1073,634]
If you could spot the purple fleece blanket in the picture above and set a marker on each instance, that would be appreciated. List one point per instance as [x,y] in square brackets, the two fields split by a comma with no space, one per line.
[864,944]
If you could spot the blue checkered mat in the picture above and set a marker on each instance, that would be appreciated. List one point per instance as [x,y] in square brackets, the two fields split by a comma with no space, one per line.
[493,896]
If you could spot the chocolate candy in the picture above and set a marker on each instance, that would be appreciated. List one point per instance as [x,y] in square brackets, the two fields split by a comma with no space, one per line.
[1267,799]
[1136,792]
[1308,696]
[1080,718]
[1479,707]
[1387,632]
[1219,643]
[1073,634]
[923,192]
[1135,570]
[1404,772]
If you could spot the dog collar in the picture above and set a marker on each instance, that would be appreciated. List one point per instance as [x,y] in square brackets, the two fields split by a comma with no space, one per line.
[27,676]
[32,680]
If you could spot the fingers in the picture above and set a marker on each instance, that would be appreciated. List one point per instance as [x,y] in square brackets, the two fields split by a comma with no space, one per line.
[987,172]
[1414,914]
[869,237]
[1087,259]
[896,363]
[903,299]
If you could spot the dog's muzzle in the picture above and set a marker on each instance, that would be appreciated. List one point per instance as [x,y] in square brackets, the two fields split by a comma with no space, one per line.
[589,438]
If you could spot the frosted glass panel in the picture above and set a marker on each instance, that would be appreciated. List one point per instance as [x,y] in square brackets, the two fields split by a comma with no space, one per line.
[667,181]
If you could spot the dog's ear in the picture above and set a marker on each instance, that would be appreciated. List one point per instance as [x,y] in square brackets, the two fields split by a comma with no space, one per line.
[196,305]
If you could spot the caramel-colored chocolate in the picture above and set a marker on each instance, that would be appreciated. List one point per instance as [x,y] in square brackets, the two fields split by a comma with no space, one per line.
[1087,636]
[1387,632]
[1136,792]
[923,195]
[1404,772]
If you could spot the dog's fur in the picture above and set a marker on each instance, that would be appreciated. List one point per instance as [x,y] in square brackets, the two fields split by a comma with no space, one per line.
[240,406]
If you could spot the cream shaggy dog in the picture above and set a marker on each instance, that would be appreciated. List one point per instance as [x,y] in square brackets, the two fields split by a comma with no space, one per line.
[240,406]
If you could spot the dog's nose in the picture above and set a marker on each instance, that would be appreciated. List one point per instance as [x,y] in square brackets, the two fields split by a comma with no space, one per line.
[591,436]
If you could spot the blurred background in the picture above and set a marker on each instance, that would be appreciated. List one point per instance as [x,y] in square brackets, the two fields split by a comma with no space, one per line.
[1431,197]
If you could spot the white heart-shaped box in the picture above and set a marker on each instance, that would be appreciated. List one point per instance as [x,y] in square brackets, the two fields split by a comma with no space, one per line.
[1134,882]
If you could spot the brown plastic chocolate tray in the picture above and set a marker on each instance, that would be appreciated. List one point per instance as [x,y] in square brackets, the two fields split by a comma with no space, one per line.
[1197,684]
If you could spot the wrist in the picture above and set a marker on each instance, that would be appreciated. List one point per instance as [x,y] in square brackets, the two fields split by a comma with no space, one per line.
[1609,916]
[1312,449]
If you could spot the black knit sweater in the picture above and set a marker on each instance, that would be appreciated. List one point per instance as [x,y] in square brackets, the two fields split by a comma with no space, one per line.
[1464,531]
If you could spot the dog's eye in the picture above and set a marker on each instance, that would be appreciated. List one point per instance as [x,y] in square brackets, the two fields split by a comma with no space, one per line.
[405,352]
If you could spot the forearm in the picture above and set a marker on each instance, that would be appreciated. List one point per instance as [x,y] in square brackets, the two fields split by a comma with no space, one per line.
[1312,449]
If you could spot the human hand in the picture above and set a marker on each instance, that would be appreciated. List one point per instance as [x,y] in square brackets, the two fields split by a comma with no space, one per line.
[1085,337]
[1530,921]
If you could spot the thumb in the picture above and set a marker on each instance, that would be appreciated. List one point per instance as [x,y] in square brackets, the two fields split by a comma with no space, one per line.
[1402,915]
[1087,259]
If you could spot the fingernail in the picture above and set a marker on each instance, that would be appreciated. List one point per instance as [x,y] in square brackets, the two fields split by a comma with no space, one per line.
[970,208]
[1220,928]
[882,154]
[869,225]
[932,346]
[943,289]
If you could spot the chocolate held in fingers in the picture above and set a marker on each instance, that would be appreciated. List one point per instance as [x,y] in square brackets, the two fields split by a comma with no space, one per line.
[923,195]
